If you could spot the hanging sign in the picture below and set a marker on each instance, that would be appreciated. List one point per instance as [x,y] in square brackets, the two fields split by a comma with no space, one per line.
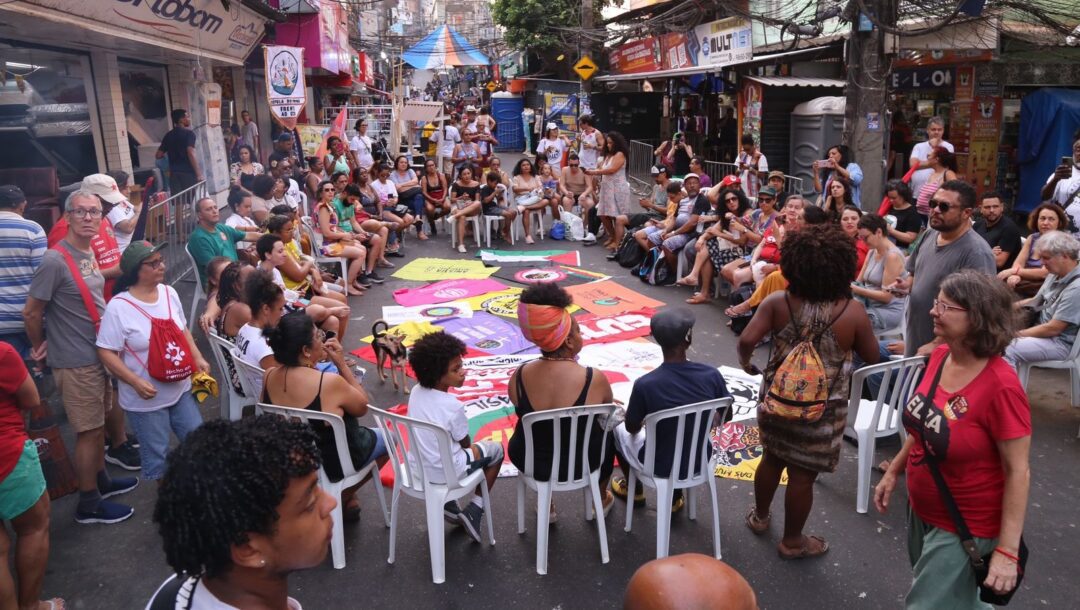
[285,89]
[585,67]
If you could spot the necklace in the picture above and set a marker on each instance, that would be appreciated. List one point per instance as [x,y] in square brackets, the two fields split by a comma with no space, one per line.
[555,359]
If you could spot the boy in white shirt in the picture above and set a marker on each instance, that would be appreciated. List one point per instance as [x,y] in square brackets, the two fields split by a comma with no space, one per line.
[436,360]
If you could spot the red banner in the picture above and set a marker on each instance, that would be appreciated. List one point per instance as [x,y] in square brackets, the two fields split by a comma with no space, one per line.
[634,57]
[673,48]
[367,69]
[915,59]
[616,327]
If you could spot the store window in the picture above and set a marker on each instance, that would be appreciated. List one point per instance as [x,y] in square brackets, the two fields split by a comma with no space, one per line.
[45,120]
[146,108]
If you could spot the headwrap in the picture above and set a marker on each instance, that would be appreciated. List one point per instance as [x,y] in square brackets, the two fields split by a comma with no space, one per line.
[547,326]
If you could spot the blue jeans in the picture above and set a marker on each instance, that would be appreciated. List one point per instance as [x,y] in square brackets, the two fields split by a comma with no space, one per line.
[152,428]
[20,342]
[379,450]
[416,204]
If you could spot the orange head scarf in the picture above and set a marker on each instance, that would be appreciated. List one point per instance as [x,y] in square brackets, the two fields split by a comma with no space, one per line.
[547,326]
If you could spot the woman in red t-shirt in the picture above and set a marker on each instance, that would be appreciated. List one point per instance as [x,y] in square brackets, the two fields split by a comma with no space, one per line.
[976,424]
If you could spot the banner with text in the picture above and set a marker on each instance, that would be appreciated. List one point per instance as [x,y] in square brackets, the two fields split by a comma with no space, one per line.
[285,90]
[722,43]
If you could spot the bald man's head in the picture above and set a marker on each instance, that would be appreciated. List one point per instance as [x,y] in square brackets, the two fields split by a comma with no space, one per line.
[688,581]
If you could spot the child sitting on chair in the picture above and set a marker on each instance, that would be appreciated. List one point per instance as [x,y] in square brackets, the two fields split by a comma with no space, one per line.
[436,361]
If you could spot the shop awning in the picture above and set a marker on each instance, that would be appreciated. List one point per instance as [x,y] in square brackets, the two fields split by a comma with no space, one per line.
[796,81]
[700,69]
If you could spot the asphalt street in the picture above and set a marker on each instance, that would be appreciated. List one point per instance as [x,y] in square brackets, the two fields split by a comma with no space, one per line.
[119,566]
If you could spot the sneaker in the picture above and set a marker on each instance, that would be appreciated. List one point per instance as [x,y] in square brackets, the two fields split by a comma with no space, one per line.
[471,519]
[120,485]
[375,277]
[452,512]
[363,279]
[461,248]
[133,440]
[395,254]
[107,512]
[125,456]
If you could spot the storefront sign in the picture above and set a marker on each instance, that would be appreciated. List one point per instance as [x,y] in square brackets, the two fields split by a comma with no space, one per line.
[975,128]
[367,69]
[199,25]
[723,43]
[674,52]
[634,57]
[915,59]
[985,86]
[285,91]
[923,78]
[562,109]
[965,83]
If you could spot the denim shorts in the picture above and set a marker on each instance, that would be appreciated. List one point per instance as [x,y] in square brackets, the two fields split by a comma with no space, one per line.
[153,427]
[23,486]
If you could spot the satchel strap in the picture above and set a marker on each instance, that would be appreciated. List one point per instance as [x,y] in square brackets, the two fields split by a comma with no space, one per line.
[80,283]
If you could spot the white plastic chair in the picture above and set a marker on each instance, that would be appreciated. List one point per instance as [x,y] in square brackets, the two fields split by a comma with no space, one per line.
[475,220]
[351,477]
[699,466]
[492,222]
[250,376]
[222,349]
[578,419]
[1070,363]
[316,240]
[413,479]
[869,420]
[199,295]
[537,217]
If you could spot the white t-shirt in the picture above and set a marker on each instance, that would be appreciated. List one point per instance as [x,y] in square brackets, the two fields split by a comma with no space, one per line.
[443,410]
[744,175]
[361,145]
[552,151]
[201,598]
[236,221]
[124,329]
[384,189]
[253,347]
[1067,194]
[294,192]
[589,156]
[921,151]
[446,138]
[121,212]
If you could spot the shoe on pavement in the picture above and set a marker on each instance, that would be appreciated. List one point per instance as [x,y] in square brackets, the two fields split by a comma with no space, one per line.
[120,485]
[125,456]
[375,277]
[452,512]
[107,512]
[678,501]
[363,279]
[471,519]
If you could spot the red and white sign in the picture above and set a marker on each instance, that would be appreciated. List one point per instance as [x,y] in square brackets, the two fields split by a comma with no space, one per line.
[634,57]
[367,69]
[617,327]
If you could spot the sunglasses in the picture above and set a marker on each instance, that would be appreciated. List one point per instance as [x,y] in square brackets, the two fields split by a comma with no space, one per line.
[760,198]
[328,189]
[941,206]
[731,198]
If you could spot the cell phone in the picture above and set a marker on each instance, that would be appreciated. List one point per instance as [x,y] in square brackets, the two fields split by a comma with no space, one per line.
[826,163]
[330,335]
[1066,160]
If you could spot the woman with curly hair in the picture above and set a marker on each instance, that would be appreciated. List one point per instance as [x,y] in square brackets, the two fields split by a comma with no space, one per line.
[270,516]
[720,244]
[970,415]
[837,198]
[243,172]
[1027,273]
[816,307]
[614,198]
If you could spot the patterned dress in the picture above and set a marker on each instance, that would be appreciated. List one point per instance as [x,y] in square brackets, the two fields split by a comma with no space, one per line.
[813,446]
[614,193]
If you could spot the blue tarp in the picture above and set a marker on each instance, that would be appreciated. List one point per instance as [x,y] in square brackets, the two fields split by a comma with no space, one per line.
[1048,120]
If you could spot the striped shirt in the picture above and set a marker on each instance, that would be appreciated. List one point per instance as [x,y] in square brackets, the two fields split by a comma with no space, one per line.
[22,245]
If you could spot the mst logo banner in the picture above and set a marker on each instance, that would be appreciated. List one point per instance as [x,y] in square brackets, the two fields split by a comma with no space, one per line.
[285,90]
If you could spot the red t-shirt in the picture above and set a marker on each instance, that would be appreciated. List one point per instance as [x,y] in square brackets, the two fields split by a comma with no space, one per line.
[770,247]
[860,253]
[106,250]
[12,428]
[963,429]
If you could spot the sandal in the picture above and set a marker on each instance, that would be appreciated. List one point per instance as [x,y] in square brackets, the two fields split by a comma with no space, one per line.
[756,524]
[686,282]
[731,313]
[815,546]
[698,299]
[619,487]
[55,603]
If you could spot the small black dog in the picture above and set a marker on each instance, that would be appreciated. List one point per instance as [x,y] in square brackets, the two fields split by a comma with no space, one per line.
[389,345]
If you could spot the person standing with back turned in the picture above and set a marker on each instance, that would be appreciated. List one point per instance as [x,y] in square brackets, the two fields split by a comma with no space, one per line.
[179,146]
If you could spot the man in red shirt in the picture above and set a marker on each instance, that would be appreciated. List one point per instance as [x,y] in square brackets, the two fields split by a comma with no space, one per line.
[121,452]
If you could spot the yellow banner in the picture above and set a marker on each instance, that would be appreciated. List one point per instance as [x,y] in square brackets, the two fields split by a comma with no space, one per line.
[412,331]
[502,303]
[434,269]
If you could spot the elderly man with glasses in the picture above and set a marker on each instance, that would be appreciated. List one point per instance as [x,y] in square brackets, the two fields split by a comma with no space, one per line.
[1057,303]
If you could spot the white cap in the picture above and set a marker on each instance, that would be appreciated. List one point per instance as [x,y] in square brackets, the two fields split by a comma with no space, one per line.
[551,126]
[103,186]
[691,175]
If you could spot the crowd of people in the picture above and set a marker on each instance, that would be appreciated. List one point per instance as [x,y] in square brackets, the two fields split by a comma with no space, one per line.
[830,286]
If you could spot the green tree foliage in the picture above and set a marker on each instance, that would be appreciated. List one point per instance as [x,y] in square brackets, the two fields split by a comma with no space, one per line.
[531,24]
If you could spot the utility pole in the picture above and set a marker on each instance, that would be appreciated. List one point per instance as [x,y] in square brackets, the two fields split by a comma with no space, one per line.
[866,122]
[586,49]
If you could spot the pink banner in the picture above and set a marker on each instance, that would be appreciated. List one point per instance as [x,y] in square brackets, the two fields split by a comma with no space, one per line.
[446,290]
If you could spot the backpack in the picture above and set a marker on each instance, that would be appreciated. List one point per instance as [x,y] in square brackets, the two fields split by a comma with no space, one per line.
[169,357]
[800,387]
[629,254]
[741,294]
[654,269]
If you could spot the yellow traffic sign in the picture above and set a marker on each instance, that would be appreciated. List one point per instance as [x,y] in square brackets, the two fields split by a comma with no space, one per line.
[491,86]
[585,67]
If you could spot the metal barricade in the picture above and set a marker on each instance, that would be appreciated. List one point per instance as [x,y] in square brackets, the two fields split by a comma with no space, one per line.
[640,163]
[793,185]
[171,222]
[380,119]
[718,169]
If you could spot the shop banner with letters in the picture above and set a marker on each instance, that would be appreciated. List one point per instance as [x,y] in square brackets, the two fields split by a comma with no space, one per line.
[722,43]
[285,89]
[637,56]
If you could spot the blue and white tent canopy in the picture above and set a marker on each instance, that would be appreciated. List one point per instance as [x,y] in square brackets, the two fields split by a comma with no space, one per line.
[441,48]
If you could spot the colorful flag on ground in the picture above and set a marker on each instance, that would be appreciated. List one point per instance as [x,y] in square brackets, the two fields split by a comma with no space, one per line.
[432,269]
[446,290]
[609,297]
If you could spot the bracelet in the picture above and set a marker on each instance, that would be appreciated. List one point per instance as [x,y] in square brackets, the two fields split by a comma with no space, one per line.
[1007,554]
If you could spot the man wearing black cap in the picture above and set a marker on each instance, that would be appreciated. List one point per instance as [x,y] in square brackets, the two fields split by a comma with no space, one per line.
[675,383]
[23,245]
[283,151]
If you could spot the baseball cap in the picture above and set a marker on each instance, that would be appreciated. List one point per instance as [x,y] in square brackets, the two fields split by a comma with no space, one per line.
[551,126]
[284,137]
[11,196]
[691,175]
[103,186]
[729,181]
[777,174]
[672,327]
[657,170]
[768,191]
[136,253]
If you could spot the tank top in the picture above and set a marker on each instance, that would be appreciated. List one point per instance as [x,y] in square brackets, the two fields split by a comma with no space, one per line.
[341,165]
[922,204]
[544,436]
[575,181]
[435,191]
[682,161]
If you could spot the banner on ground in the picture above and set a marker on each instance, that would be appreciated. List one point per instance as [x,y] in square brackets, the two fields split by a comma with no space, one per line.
[538,258]
[489,333]
[737,444]
[285,88]
[615,327]
[564,275]
[432,269]
[396,314]
[446,290]
[609,297]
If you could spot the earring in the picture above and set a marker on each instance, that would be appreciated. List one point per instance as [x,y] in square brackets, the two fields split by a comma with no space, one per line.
[262,563]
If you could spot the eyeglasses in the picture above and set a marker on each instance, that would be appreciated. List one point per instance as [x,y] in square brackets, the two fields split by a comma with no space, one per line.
[85,213]
[155,264]
[731,198]
[940,307]
[328,189]
[941,206]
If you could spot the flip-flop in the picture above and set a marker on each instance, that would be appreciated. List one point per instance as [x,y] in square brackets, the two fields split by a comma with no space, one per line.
[55,603]
[698,299]
[683,282]
[619,487]
[731,313]
[756,524]
[804,552]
